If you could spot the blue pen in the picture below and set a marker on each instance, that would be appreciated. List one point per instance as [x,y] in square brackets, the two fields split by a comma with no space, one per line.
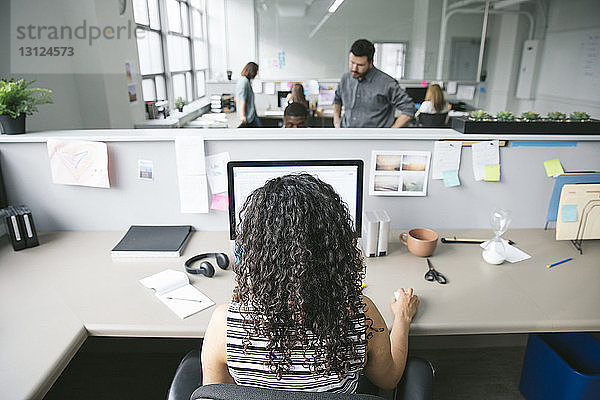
[559,262]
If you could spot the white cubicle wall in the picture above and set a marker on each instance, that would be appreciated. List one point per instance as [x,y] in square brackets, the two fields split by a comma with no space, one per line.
[524,187]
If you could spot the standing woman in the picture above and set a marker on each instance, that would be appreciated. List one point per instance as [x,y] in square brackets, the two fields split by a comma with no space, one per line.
[245,97]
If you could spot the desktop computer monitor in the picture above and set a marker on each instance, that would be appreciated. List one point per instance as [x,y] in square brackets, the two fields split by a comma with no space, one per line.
[417,94]
[326,97]
[281,96]
[346,177]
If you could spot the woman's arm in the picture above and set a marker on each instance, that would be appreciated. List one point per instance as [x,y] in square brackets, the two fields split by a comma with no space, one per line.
[214,349]
[386,352]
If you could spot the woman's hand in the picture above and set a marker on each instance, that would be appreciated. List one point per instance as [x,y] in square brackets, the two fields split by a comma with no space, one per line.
[406,304]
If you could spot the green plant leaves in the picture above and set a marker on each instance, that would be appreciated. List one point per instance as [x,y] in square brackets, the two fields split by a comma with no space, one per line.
[16,97]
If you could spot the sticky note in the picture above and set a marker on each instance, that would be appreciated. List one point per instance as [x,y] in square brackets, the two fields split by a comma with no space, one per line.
[492,172]
[553,167]
[451,178]
[568,213]
[220,202]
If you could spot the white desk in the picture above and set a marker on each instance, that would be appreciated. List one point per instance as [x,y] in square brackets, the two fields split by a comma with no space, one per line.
[54,295]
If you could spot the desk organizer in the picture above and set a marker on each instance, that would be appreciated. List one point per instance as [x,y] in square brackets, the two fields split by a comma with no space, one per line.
[541,126]
[563,366]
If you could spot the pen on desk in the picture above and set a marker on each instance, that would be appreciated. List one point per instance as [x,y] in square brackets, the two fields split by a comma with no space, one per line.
[179,298]
[470,241]
[559,262]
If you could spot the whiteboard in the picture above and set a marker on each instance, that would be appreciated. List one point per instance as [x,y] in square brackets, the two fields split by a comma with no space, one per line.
[570,65]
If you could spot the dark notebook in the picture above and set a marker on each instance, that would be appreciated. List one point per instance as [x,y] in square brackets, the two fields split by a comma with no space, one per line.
[153,241]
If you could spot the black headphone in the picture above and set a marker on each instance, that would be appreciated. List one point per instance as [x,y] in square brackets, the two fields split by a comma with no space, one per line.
[205,267]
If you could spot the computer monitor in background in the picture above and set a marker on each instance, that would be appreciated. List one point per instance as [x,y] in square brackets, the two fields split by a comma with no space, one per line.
[326,97]
[346,177]
[417,94]
[281,96]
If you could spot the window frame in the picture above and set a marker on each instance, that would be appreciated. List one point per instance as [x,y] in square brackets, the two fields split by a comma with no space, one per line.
[164,32]
[378,55]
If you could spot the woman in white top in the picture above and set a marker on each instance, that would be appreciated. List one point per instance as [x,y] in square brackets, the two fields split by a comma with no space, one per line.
[434,102]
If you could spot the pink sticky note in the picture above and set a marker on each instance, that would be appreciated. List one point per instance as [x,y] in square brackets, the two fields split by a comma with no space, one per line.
[423,83]
[220,202]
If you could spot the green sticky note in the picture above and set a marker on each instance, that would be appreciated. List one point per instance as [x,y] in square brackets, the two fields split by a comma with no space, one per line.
[553,167]
[568,213]
[451,178]
[492,172]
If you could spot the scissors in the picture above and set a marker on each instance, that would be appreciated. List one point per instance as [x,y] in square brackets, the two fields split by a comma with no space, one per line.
[432,274]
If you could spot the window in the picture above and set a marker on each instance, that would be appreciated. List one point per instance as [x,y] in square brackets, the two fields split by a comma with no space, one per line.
[390,58]
[171,40]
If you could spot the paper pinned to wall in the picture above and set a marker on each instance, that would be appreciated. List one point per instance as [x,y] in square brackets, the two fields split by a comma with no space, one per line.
[78,162]
[216,167]
[465,92]
[451,87]
[446,157]
[269,87]
[257,86]
[553,167]
[484,153]
[191,174]
[220,202]
[451,178]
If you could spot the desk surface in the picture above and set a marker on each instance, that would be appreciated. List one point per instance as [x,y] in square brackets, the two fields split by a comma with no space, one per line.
[55,295]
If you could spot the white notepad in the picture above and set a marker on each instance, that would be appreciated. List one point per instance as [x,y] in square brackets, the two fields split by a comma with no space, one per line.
[173,289]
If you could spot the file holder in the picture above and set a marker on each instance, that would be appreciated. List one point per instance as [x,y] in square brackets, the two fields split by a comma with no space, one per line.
[585,213]
[20,227]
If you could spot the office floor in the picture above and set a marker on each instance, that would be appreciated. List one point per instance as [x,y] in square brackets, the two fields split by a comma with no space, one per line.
[126,368]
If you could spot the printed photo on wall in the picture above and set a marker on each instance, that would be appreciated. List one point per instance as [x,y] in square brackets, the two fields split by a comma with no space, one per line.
[399,173]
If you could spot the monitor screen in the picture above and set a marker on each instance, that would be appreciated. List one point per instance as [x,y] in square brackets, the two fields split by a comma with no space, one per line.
[346,177]
[281,96]
[326,97]
[417,94]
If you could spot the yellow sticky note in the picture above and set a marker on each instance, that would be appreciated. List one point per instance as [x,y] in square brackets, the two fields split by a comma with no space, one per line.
[492,172]
[553,167]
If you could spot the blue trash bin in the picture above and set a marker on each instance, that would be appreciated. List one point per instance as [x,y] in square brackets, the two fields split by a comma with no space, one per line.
[561,366]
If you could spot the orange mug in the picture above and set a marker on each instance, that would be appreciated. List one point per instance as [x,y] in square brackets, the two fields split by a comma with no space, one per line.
[420,241]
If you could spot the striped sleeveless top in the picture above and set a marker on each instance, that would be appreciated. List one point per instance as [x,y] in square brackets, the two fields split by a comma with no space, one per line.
[249,369]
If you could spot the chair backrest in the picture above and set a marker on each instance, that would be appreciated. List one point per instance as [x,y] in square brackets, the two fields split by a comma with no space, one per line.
[433,120]
[233,392]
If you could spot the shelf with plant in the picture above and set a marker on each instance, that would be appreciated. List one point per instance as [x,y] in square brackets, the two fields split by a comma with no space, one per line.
[529,122]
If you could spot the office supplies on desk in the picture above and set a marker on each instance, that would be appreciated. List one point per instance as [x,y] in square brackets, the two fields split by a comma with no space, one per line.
[153,241]
[585,199]
[171,286]
[370,234]
[421,241]
[433,275]
[561,180]
[20,227]
[454,239]
[559,262]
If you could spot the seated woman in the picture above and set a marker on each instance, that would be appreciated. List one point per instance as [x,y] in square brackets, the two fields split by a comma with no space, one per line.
[296,96]
[297,319]
[434,102]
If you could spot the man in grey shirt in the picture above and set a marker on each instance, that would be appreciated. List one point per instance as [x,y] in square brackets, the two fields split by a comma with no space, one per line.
[369,96]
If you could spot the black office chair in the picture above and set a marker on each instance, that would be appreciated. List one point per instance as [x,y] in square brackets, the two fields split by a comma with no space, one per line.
[416,384]
[433,120]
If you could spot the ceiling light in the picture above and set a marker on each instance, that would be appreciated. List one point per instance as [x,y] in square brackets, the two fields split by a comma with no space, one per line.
[335,5]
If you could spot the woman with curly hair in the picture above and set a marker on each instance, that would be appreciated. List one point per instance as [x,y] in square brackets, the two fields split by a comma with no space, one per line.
[297,319]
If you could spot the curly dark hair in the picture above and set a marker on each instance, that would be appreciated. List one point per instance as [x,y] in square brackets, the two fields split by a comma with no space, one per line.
[300,270]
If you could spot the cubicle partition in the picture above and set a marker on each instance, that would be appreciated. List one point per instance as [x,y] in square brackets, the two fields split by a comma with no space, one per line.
[523,188]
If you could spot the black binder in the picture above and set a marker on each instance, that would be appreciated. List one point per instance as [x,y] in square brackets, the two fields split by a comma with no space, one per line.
[20,227]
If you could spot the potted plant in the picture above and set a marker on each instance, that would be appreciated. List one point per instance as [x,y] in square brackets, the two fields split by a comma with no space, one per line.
[17,100]
[579,116]
[179,103]
[556,116]
[505,116]
[229,73]
[530,116]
